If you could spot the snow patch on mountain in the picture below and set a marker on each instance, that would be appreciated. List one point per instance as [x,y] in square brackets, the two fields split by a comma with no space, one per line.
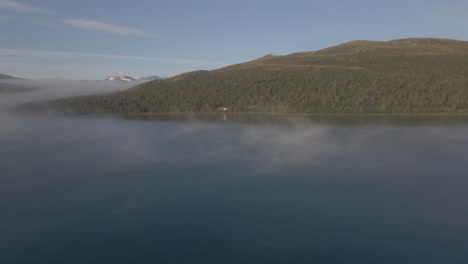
[125,79]
[120,79]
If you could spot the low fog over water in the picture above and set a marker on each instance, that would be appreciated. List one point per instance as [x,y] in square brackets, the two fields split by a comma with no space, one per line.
[41,90]
[230,189]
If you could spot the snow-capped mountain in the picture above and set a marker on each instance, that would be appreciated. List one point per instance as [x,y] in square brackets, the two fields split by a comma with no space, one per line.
[120,79]
[124,79]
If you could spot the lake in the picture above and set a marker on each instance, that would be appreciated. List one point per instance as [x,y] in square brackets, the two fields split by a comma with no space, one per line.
[234,189]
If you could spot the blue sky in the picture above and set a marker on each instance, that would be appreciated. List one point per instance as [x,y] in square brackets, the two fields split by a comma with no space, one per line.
[91,39]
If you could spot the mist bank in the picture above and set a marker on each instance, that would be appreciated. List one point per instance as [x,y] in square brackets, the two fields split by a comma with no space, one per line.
[22,91]
[8,87]
[18,91]
[264,146]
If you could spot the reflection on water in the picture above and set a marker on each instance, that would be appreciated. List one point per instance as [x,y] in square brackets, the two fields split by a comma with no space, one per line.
[328,120]
[263,189]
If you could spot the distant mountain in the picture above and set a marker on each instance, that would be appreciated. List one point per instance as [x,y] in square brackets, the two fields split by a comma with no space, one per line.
[405,76]
[8,77]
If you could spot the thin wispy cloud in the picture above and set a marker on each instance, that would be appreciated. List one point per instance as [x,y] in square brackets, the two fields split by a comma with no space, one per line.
[109,28]
[20,7]
[68,55]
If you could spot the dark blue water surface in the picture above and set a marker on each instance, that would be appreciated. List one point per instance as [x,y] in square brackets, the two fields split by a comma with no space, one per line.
[234,189]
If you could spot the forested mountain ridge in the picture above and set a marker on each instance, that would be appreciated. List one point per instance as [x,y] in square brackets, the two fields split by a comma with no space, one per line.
[407,76]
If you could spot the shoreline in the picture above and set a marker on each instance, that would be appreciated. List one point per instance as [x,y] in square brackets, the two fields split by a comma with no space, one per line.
[264,113]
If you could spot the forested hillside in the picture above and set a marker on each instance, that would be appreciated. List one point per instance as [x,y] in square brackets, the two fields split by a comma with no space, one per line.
[409,76]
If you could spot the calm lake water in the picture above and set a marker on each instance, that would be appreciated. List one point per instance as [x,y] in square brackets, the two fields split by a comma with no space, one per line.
[234,189]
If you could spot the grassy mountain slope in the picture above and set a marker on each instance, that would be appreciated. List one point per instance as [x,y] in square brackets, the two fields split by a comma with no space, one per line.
[396,77]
